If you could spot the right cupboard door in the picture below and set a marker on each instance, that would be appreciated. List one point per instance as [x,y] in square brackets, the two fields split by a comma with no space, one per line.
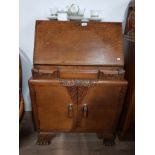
[101,107]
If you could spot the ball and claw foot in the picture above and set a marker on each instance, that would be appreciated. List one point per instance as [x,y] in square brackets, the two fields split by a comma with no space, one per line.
[108,139]
[43,140]
[108,142]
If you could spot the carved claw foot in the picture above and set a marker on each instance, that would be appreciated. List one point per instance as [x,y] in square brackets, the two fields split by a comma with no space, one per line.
[108,139]
[100,135]
[43,139]
[108,142]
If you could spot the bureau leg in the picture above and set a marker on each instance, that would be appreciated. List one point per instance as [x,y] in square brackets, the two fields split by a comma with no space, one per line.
[108,139]
[100,135]
[44,138]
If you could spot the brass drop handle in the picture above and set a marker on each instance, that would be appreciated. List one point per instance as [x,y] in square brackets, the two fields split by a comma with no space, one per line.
[70,110]
[85,110]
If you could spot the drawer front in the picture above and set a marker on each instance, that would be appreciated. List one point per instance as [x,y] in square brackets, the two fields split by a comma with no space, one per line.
[79,74]
[53,107]
[101,107]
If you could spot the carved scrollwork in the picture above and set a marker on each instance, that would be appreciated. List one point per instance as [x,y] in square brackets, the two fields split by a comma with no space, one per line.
[43,74]
[47,74]
[78,82]
[118,76]
[77,94]
[111,76]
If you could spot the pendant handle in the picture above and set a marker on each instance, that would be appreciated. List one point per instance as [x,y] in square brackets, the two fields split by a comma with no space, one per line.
[85,110]
[70,110]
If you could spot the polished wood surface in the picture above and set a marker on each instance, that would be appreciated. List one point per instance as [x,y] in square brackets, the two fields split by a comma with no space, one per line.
[127,124]
[69,43]
[52,104]
[77,82]
[102,101]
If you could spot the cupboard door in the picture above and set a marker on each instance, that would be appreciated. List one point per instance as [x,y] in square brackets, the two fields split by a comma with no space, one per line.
[101,106]
[53,107]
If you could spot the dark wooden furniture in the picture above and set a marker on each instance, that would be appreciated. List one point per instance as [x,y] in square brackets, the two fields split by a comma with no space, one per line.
[127,124]
[21,100]
[77,82]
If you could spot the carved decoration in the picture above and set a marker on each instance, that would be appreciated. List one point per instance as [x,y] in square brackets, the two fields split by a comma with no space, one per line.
[78,82]
[108,142]
[77,94]
[73,92]
[119,76]
[44,139]
[103,76]
[108,139]
[37,73]
[82,92]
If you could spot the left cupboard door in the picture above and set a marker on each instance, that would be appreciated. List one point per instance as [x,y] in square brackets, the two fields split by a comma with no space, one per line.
[52,106]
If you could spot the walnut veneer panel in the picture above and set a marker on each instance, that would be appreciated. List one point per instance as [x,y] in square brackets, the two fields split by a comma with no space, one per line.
[51,100]
[69,43]
[104,103]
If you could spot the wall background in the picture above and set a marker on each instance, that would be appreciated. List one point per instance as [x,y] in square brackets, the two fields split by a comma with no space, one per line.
[31,10]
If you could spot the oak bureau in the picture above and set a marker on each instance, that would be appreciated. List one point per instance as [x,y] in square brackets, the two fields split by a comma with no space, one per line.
[77,82]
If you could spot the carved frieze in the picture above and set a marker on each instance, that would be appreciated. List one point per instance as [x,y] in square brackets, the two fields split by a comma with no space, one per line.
[42,74]
[111,76]
[78,82]
[117,76]
[102,75]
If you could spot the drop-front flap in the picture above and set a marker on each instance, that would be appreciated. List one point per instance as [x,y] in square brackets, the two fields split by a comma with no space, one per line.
[76,43]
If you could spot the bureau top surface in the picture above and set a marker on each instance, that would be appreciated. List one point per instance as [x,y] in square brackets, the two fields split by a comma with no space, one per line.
[76,43]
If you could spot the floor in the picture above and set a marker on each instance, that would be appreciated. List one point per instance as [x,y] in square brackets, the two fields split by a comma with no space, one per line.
[68,144]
